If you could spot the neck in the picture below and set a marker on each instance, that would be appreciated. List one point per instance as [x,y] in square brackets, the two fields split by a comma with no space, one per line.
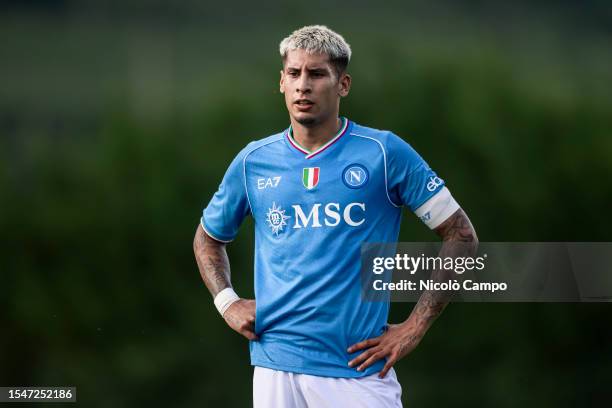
[313,137]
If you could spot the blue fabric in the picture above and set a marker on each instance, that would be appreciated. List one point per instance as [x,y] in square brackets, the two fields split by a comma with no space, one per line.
[307,242]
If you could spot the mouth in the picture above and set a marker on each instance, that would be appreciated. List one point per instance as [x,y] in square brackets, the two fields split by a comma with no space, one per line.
[303,104]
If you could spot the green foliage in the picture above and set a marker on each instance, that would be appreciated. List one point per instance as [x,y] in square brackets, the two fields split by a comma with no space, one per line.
[105,170]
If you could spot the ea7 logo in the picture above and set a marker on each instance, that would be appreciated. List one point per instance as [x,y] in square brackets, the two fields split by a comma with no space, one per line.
[353,215]
[268,182]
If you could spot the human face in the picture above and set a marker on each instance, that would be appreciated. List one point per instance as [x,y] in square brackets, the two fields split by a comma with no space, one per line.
[312,87]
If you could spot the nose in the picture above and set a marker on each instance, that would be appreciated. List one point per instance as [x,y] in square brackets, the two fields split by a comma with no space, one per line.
[303,84]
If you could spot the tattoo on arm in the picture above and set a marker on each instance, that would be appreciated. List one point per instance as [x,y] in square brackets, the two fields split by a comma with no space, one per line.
[212,261]
[457,228]
[459,239]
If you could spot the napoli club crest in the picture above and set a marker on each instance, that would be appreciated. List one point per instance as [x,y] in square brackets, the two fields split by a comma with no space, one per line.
[355,176]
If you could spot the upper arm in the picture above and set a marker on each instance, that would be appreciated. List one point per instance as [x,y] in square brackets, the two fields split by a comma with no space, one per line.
[457,227]
[202,240]
[413,183]
[228,207]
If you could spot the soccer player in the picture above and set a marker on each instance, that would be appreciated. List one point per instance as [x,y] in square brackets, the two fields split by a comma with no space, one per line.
[316,192]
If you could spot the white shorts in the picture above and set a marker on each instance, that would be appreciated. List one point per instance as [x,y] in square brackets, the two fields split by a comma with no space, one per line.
[281,389]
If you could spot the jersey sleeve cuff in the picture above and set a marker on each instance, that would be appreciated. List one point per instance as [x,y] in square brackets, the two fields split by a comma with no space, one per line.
[437,209]
[214,236]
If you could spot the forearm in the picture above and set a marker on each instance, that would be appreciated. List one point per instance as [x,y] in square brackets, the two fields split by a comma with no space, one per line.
[212,261]
[215,270]
[458,240]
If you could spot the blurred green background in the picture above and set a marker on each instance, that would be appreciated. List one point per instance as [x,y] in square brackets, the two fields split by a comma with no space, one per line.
[118,120]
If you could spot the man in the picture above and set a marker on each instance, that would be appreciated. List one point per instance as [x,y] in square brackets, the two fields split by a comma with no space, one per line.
[317,191]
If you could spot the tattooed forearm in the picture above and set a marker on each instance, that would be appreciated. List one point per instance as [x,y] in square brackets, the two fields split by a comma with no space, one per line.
[429,307]
[212,261]
[459,240]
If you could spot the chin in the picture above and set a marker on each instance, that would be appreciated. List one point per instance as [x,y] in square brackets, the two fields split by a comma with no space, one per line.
[307,121]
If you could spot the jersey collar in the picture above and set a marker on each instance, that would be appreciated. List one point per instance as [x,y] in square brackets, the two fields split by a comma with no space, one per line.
[309,154]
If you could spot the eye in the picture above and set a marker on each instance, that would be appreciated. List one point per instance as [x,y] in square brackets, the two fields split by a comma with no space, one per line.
[292,74]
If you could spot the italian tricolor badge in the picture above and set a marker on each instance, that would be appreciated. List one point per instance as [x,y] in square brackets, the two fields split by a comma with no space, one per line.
[310,178]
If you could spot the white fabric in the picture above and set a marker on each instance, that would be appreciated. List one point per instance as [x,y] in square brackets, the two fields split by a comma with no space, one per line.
[437,209]
[280,389]
[224,299]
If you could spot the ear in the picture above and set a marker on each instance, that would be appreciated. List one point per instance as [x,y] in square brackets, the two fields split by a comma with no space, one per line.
[282,81]
[345,85]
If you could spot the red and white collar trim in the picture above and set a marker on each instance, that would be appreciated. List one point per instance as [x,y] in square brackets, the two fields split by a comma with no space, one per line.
[333,140]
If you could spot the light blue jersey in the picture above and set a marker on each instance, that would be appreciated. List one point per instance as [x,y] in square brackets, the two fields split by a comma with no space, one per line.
[312,212]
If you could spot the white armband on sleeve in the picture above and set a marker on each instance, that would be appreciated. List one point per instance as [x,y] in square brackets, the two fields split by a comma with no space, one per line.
[224,299]
[437,209]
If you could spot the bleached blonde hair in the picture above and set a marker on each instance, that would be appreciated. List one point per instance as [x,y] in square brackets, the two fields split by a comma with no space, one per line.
[318,39]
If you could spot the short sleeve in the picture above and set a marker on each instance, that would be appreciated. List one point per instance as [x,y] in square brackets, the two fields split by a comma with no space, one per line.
[229,205]
[411,182]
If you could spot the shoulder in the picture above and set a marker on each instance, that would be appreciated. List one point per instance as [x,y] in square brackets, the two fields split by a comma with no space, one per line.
[389,142]
[259,145]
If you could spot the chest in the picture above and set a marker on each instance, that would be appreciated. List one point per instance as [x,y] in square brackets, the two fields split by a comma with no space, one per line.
[315,194]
